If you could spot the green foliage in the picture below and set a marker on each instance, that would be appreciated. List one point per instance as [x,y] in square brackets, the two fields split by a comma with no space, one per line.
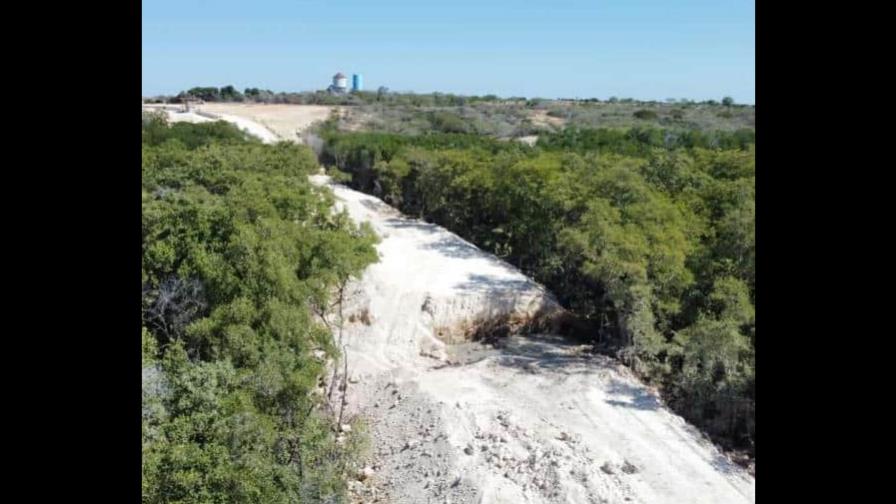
[338,175]
[447,122]
[150,347]
[646,234]
[212,94]
[644,114]
[238,249]
[413,113]
[643,141]
[156,130]
[683,114]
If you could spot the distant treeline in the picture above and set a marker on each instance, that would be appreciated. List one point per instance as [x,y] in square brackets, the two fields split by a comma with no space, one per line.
[320,97]
[647,235]
[640,141]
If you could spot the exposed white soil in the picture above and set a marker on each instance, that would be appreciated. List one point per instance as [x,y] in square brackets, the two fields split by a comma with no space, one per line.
[529,140]
[269,122]
[285,120]
[179,116]
[535,420]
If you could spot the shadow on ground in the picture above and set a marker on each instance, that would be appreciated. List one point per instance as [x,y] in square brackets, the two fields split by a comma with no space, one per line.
[377,206]
[549,353]
[538,353]
[509,287]
[397,223]
[632,397]
[455,247]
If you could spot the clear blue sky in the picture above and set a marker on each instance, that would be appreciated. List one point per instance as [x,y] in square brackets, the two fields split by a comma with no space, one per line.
[643,49]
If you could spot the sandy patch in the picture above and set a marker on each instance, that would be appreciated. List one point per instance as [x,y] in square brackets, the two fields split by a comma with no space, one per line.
[286,121]
[541,118]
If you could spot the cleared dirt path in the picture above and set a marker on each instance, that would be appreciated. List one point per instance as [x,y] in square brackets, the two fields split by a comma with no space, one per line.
[534,420]
[285,121]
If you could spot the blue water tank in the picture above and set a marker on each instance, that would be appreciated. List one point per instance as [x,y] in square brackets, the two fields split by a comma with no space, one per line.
[357,82]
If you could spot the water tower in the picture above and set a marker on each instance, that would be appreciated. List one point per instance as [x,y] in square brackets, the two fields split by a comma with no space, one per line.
[357,82]
[340,83]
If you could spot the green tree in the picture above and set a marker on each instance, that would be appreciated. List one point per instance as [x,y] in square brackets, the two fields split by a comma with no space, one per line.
[238,251]
[647,235]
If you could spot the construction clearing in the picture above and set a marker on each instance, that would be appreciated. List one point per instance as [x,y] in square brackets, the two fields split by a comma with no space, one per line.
[532,418]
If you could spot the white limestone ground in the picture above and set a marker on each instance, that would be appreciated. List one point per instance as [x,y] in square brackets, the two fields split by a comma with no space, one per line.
[244,124]
[191,117]
[536,420]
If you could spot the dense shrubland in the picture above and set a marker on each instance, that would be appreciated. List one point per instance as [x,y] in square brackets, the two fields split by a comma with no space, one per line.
[413,113]
[238,251]
[641,141]
[645,234]
[703,116]
[515,118]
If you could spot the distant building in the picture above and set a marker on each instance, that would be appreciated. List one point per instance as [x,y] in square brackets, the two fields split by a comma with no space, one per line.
[340,84]
[357,82]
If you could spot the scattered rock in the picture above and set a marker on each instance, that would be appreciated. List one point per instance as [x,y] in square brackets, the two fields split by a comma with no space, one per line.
[345,428]
[469,449]
[427,305]
[629,468]
[607,468]
[365,473]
